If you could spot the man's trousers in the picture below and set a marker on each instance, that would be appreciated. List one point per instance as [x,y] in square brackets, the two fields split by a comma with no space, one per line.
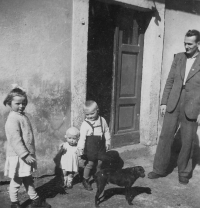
[188,129]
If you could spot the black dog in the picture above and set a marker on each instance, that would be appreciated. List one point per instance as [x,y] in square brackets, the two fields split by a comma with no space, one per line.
[112,160]
[124,177]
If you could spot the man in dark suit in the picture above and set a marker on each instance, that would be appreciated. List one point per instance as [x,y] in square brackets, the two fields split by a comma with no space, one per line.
[180,106]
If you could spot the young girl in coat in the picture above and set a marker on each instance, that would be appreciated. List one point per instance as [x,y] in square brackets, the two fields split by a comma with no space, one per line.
[69,160]
[94,140]
[20,154]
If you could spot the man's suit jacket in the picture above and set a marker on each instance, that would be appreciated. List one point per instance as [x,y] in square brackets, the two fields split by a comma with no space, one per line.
[174,83]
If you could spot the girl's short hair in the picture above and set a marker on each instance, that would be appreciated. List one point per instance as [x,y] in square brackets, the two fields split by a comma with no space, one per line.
[12,94]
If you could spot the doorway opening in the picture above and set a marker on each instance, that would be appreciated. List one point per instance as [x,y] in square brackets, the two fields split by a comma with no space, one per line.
[100,55]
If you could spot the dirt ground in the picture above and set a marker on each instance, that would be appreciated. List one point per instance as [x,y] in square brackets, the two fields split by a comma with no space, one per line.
[158,193]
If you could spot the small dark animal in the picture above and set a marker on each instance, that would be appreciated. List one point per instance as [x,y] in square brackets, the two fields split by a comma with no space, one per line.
[112,159]
[123,177]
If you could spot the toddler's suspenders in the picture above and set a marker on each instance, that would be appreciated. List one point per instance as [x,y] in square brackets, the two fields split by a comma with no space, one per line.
[96,126]
[101,125]
[95,144]
[90,125]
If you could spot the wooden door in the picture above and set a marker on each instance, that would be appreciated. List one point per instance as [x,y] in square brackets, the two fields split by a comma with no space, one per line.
[128,58]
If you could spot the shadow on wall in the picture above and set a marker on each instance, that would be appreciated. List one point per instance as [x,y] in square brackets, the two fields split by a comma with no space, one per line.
[156,15]
[51,120]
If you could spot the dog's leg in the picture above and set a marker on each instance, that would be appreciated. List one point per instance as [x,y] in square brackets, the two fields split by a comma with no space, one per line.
[100,187]
[128,195]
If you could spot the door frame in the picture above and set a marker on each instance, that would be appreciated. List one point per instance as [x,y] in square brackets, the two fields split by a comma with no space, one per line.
[152,69]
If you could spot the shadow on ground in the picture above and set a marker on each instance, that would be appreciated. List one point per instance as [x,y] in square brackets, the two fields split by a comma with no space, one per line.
[49,189]
[56,185]
[50,186]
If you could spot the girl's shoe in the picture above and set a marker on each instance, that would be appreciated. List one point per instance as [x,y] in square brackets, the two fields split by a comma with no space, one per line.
[87,185]
[15,205]
[69,185]
[40,203]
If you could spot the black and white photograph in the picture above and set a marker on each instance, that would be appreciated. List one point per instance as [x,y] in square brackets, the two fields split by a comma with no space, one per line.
[99,103]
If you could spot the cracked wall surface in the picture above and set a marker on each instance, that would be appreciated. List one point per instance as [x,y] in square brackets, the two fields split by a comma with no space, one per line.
[36,54]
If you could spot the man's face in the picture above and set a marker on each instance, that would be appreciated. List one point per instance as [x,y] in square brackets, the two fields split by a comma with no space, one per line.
[191,46]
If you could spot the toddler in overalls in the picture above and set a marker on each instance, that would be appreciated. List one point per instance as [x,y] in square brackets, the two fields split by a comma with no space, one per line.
[94,140]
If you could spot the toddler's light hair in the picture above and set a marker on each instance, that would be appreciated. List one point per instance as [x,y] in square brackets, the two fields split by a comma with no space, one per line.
[90,106]
[72,132]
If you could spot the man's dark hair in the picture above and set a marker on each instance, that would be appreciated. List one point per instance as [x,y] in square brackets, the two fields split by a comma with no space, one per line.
[193,33]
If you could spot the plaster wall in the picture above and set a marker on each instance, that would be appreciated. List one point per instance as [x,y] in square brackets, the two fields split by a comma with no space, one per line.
[36,54]
[179,19]
[79,60]
[151,75]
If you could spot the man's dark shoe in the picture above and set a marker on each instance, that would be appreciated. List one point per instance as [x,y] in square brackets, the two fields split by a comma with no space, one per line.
[87,185]
[15,205]
[183,180]
[153,175]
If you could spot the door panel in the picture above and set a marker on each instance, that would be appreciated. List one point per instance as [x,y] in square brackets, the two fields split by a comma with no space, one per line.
[129,37]
[126,115]
[128,76]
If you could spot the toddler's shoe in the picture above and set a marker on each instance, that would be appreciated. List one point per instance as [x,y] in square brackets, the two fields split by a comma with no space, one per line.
[40,203]
[87,185]
[183,180]
[65,185]
[15,205]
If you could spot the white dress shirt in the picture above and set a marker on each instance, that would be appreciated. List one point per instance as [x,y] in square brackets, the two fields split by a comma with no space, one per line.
[189,64]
